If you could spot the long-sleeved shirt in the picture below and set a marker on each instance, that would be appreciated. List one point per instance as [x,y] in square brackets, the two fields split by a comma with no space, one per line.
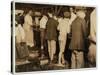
[43,22]
[63,27]
[28,20]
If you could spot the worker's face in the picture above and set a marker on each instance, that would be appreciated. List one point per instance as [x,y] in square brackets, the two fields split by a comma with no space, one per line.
[71,10]
[30,12]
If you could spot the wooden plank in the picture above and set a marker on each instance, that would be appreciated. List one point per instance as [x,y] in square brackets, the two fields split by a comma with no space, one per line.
[22,62]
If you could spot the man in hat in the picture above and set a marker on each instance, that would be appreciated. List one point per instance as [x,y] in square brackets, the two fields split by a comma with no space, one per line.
[77,45]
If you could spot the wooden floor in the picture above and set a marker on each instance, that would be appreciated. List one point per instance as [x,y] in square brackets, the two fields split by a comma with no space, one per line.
[35,63]
[35,66]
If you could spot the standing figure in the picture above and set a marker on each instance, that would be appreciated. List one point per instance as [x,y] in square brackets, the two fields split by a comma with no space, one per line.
[92,38]
[28,23]
[43,23]
[51,35]
[64,29]
[22,52]
[77,44]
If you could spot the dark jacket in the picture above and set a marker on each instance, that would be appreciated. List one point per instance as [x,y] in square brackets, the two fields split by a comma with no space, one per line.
[51,29]
[79,34]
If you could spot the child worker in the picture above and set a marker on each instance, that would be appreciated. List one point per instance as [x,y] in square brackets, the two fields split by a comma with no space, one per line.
[51,35]
[64,29]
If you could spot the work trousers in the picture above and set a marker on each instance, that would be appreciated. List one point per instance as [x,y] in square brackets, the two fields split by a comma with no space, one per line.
[51,48]
[77,59]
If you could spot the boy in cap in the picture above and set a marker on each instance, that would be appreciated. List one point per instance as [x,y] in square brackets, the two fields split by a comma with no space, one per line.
[51,35]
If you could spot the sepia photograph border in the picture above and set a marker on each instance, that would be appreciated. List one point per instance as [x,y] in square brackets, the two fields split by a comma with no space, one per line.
[13,39]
